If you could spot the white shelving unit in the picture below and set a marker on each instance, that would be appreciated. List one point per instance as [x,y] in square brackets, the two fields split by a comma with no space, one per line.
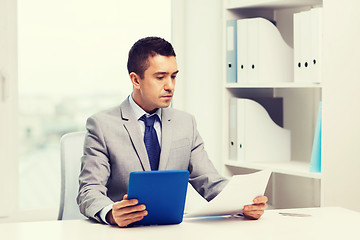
[291,186]
[292,183]
[272,4]
[274,85]
[290,168]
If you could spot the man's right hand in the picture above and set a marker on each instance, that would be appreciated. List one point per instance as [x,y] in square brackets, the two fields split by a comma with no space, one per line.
[126,212]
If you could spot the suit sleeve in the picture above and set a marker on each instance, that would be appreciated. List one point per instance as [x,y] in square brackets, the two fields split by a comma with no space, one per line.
[203,175]
[95,172]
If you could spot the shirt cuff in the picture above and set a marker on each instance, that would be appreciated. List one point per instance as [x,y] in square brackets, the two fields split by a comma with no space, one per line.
[104,212]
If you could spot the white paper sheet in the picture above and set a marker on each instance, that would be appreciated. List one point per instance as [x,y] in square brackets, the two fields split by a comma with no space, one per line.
[240,191]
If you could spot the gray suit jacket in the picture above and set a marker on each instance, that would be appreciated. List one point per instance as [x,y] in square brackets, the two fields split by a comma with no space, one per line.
[114,147]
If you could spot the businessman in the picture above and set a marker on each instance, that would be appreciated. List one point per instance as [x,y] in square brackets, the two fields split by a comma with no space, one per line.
[143,134]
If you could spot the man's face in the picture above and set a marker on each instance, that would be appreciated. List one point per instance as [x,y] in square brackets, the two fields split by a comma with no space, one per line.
[157,87]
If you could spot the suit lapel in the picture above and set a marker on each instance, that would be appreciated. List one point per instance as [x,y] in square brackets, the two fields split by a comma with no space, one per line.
[166,134]
[132,127]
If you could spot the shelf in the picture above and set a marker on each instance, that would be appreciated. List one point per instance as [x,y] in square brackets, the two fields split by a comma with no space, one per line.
[271,4]
[290,168]
[273,85]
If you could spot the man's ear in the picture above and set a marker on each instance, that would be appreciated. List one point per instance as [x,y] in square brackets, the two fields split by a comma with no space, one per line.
[135,80]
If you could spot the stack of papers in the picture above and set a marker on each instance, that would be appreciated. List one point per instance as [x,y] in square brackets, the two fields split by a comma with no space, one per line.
[240,191]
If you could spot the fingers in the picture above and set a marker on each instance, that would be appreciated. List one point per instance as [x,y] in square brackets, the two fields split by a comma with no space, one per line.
[255,207]
[126,219]
[124,203]
[260,199]
[127,211]
[254,215]
[127,222]
[124,208]
[256,210]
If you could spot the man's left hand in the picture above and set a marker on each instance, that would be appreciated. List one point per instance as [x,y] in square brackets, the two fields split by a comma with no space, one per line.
[256,210]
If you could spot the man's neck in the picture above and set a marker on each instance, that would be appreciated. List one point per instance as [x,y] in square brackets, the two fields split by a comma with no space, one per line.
[139,111]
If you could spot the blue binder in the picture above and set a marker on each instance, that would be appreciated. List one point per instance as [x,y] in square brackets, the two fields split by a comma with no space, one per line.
[315,163]
[231,51]
[162,192]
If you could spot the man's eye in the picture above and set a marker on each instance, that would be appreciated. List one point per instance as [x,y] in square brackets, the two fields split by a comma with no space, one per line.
[160,77]
[173,77]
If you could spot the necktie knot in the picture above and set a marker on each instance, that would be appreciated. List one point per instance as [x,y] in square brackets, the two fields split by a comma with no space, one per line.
[149,121]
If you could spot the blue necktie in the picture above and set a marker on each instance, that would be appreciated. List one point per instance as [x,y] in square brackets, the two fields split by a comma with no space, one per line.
[151,141]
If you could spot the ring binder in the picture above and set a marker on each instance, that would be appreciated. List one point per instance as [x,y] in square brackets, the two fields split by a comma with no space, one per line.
[263,55]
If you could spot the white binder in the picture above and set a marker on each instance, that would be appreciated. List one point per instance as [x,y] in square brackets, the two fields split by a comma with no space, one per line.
[298,61]
[306,50]
[237,131]
[253,63]
[268,58]
[255,137]
[316,38]
[242,51]
[308,46]
[231,52]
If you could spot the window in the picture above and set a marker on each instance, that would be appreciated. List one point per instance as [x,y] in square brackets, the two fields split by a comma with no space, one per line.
[72,63]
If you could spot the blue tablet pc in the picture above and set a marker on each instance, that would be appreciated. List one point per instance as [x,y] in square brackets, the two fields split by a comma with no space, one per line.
[163,193]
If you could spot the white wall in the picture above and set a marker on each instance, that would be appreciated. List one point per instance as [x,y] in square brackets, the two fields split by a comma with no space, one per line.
[8,108]
[199,52]
[178,42]
[341,109]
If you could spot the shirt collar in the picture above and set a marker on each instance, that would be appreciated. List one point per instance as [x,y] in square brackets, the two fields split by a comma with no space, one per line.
[139,111]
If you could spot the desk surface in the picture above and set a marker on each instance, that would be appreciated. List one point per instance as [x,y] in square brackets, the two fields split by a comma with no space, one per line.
[324,223]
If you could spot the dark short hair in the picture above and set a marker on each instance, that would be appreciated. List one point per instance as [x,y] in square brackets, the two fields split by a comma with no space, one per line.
[145,47]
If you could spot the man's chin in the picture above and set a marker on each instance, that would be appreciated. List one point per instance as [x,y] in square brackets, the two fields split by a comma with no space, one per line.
[165,104]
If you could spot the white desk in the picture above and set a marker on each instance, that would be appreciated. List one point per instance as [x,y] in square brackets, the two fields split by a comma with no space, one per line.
[325,223]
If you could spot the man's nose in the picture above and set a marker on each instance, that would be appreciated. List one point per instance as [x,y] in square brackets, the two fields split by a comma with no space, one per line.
[170,84]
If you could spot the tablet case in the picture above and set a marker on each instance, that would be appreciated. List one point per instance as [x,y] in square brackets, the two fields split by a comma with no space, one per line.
[163,193]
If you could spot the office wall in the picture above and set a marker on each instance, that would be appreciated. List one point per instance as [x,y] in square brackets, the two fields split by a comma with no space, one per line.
[341,110]
[178,42]
[8,109]
[197,40]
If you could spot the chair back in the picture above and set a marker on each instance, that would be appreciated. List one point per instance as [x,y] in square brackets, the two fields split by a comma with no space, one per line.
[72,145]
